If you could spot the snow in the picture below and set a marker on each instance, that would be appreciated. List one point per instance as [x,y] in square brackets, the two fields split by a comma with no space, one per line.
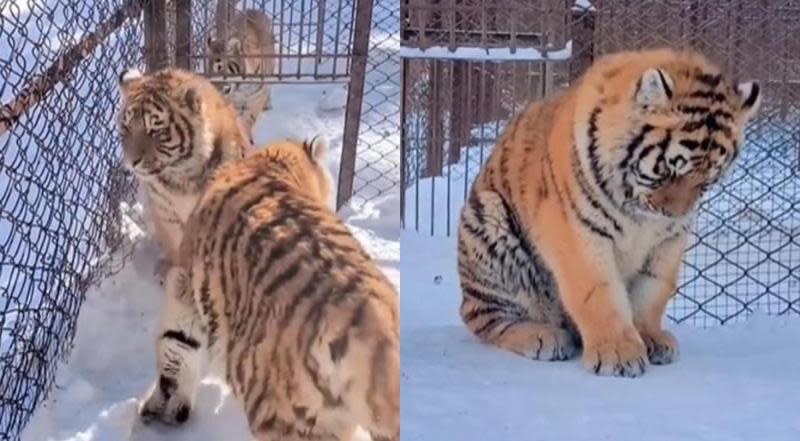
[737,382]
[583,5]
[488,54]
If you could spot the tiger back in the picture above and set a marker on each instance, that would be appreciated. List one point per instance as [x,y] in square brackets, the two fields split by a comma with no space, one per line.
[176,130]
[243,52]
[574,230]
[298,318]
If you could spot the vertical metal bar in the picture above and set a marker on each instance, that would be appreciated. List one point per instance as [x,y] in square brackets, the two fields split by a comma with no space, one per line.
[336,39]
[404,95]
[183,33]
[320,34]
[300,39]
[355,95]
[155,29]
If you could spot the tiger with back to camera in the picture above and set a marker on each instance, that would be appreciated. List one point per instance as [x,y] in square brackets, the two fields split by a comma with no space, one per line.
[242,52]
[176,129]
[293,313]
[575,228]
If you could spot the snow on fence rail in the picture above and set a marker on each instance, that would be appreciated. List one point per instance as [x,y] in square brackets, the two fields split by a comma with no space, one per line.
[745,251]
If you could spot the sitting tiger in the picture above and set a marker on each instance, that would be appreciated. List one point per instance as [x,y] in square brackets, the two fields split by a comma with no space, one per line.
[176,130]
[251,37]
[294,315]
[575,228]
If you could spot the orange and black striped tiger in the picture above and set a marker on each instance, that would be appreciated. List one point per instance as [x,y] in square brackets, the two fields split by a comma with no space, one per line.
[176,130]
[294,314]
[574,230]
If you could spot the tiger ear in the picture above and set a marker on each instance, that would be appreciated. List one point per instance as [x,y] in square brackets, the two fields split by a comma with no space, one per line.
[749,98]
[317,148]
[234,46]
[654,88]
[128,77]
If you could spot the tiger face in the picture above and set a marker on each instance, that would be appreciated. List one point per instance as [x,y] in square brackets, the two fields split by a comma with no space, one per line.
[158,120]
[225,58]
[659,131]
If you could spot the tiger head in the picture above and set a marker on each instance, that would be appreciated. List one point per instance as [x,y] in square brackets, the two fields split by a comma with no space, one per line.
[656,129]
[162,121]
[305,163]
[226,58]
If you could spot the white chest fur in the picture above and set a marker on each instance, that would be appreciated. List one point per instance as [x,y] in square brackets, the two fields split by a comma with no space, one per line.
[633,248]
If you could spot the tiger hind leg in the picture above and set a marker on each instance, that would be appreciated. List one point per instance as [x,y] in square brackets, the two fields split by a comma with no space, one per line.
[180,356]
[509,295]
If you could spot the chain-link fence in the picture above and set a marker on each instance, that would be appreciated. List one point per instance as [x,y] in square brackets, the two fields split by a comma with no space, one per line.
[377,169]
[472,64]
[61,188]
[63,193]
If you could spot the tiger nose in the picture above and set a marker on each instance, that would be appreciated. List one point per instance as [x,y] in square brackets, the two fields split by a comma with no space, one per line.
[134,147]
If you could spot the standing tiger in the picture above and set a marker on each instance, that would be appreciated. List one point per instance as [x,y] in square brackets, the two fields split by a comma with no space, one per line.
[176,130]
[294,314]
[242,52]
[574,230]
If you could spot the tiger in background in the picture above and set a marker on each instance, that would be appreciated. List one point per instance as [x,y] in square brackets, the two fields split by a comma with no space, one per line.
[290,309]
[176,130]
[251,35]
[575,228]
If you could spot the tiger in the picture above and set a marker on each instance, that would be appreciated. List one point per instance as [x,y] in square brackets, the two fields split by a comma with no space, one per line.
[573,232]
[238,53]
[290,310]
[176,129]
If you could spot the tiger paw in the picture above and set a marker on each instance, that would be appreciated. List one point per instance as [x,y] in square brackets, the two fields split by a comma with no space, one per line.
[662,347]
[165,403]
[553,345]
[623,354]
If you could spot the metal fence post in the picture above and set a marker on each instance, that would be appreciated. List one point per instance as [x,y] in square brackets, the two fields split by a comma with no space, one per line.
[355,95]
[183,33]
[155,34]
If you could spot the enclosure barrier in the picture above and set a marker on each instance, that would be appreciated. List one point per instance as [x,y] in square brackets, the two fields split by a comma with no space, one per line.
[63,192]
[469,65]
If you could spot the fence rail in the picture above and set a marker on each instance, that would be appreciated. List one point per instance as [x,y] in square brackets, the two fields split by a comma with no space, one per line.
[744,255]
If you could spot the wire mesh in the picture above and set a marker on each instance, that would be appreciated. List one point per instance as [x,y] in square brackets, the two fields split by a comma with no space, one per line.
[744,253]
[312,38]
[61,187]
[377,170]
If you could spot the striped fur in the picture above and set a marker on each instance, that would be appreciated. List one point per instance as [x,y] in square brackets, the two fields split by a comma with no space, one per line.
[295,315]
[176,129]
[251,36]
[574,230]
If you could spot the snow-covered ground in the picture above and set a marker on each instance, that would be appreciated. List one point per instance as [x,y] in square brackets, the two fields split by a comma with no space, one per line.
[736,382]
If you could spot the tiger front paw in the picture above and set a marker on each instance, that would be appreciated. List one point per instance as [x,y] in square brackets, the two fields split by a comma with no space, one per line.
[622,354]
[662,347]
[165,403]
